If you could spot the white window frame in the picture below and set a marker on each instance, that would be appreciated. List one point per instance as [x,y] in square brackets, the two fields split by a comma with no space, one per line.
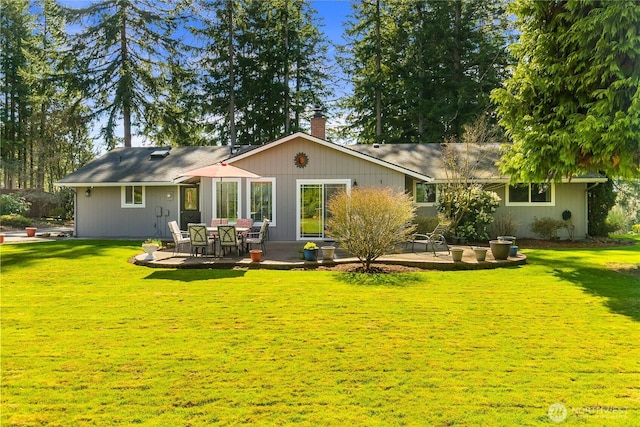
[214,196]
[272,221]
[299,184]
[123,197]
[552,188]
[415,192]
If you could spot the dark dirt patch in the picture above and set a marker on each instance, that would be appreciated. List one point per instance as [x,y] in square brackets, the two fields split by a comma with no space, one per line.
[595,242]
[375,268]
[630,269]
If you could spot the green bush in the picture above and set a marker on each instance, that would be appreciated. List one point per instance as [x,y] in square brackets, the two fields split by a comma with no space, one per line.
[426,224]
[472,207]
[14,220]
[635,228]
[601,198]
[13,204]
[547,227]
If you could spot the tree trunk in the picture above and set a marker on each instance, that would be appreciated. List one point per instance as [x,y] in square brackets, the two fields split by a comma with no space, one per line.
[378,76]
[232,80]
[126,101]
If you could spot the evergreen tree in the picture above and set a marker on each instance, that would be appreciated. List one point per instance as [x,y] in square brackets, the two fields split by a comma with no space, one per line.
[573,102]
[16,30]
[423,69]
[262,63]
[123,53]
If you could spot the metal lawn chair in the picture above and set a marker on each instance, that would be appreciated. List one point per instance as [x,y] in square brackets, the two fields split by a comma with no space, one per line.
[180,237]
[199,239]
[436,237]
[228,238]
[258,238]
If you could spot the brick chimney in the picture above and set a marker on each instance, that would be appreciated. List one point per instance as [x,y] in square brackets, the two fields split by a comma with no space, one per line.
[318,124]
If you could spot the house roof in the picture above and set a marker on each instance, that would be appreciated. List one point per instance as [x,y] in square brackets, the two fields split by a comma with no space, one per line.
[137,165]
[428,159]
[161,165]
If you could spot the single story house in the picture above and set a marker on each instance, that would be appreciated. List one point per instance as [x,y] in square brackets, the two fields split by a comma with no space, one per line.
[134,192]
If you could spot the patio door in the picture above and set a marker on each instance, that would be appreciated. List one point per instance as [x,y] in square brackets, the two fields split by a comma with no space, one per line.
[312,199]
[189,205]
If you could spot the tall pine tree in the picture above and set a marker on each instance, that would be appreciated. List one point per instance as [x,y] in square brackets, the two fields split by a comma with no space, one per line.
[123,52]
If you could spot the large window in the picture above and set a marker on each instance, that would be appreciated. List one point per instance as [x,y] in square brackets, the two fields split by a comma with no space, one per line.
[424,193]
[132,196]
[225,199]
[262,196]
[530,195]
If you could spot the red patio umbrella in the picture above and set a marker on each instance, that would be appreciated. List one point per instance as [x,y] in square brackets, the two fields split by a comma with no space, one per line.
[217,170]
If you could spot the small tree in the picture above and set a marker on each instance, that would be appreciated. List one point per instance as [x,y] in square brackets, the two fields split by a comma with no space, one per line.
[370,221]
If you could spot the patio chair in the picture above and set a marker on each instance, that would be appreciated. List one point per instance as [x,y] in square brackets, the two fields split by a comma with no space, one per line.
[228,239]
[180,237]
[219,221]
[258,238]
[199,239]
[244,223]
[436,237]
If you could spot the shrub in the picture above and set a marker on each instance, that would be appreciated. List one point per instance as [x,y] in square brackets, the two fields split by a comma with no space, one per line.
[370,221]
[470,208]
[15,221]
[601,199]
[504,225]
[13,204]
[635,228]
[426,224]
[546,227]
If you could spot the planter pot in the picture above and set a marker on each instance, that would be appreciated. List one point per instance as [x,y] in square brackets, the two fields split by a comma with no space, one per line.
[481,253]
[1,238]
[31,231]
[256,255]
[328,252]
[513,252]
[456,254]
[150,248]
[500,249]
[310,254]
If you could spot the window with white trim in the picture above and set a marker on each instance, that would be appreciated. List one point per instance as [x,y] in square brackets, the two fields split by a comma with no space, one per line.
[530,195]
[262,199]
[133,196]
[424,193]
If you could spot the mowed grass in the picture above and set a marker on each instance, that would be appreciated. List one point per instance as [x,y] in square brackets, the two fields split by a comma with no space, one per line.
[90,339]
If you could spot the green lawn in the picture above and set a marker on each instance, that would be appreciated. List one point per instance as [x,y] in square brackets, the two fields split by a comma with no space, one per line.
[90,339]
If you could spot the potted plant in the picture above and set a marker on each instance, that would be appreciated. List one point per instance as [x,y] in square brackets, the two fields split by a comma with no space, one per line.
[310,251]
[150,246]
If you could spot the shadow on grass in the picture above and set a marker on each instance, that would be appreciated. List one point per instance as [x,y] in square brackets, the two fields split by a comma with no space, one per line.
[383,279]
[26,254]
[192,275]
[621,291]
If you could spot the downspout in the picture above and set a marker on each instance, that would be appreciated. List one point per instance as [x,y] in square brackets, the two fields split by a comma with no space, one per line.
[75,212]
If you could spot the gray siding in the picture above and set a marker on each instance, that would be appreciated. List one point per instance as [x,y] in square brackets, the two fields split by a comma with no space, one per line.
[568,196]
[101,215]
[324,163]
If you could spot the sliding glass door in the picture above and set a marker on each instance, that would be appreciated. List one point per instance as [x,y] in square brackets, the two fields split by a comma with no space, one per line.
[312,199]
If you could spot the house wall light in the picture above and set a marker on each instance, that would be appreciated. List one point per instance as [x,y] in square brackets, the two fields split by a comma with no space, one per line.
[87,193]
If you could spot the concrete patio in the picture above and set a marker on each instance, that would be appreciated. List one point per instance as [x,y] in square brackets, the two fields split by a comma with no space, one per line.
[288,255]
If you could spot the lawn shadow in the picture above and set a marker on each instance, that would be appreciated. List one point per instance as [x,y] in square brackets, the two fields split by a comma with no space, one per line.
[192,275]
[72,249]
[380,279]
[621,291]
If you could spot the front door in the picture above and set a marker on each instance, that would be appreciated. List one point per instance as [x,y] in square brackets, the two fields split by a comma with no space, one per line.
[313,197]
[189,206]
